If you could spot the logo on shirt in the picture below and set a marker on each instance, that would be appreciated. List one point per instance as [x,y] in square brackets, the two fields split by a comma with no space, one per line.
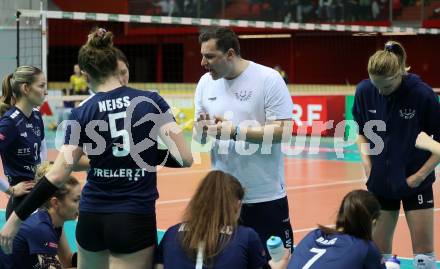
[326,242]
[51,245]
[372,111]
[407,113]
[121,174]
[15,114]
[29,125]
[212,98]
[24,134]
[23,151]
[37,131]
[243,95]
[31,168]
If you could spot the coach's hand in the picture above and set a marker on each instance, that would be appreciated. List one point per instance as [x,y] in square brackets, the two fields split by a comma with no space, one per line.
[224,129]
[201,127]
[8,233]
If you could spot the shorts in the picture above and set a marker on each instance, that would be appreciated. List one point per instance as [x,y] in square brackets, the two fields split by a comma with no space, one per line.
[268,219]
[117,232]
[421,200]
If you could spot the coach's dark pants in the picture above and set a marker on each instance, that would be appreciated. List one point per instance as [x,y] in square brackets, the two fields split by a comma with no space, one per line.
[268,219]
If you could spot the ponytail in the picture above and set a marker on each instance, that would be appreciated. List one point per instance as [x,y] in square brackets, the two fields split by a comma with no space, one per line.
[7,98]
[389,61]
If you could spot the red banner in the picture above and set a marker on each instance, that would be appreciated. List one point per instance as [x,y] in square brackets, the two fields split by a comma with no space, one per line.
[317,115]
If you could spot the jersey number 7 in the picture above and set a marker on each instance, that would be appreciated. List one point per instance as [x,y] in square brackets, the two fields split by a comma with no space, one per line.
[319,252]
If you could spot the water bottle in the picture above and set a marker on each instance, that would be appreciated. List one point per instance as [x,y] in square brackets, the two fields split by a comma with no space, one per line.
[392,263]
[276,248]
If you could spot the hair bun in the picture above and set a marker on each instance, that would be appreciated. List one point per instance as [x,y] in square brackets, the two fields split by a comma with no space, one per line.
[100,38]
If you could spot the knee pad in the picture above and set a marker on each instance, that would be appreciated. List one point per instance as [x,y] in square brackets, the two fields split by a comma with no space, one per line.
[424,261]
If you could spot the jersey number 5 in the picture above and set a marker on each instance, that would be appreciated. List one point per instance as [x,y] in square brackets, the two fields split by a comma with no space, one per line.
[319,252]
[117,151]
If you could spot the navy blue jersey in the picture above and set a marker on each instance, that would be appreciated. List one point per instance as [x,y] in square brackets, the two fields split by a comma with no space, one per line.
[118,131]
[412,108]
[244,250]
[36,236]
[20,144]
[320,251]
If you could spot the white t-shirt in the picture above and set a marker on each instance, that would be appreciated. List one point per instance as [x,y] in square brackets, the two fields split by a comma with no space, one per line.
[256,96]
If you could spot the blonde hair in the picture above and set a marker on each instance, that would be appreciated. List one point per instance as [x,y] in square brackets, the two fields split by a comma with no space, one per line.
[388,62]
[61,193]
[11,85]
